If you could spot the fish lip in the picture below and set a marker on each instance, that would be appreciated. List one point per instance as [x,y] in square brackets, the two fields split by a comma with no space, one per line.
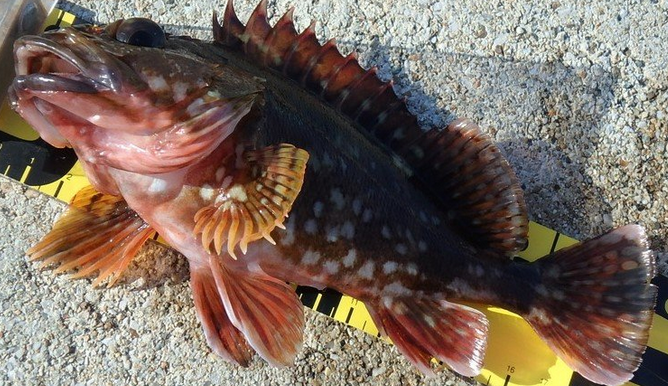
[98,68]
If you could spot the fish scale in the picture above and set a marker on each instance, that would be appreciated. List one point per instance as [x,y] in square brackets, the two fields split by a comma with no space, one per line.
[277,158]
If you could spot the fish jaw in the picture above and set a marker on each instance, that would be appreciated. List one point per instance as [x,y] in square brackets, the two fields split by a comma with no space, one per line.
[140,109]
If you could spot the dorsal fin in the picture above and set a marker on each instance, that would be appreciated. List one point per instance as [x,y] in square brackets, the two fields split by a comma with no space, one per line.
[338,79]
[487,203]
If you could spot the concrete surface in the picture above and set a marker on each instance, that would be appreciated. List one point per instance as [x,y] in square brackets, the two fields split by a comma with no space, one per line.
[576,97]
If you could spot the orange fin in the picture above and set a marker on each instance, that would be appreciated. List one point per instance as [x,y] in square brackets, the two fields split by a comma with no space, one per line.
[469,178]
[98,232]
[595,304]
[265,309]
[221,335]
[255,202]
[423,329]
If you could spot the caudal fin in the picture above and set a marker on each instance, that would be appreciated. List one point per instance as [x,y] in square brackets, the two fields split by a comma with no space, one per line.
[594,307]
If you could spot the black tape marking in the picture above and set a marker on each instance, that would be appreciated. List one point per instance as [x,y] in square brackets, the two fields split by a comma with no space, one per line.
[662,297]
[554,242]
[329,301]
[507,380]
[47,163]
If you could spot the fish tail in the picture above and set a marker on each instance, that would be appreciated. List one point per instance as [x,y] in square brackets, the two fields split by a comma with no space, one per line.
[595,303]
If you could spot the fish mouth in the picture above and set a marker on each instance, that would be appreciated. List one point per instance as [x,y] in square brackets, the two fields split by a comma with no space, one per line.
[70,60]
[71,77]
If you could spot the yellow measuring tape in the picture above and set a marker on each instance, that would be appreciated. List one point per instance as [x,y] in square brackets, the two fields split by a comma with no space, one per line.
[515,356]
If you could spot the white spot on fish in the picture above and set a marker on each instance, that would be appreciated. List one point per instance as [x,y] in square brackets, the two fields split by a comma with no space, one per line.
[411,269]
[357,206]
[349,259]
[333,233]
[157,83]
[385,231]
[180,91]
[237,192]
[310,257]
[430,321]
[318,206]
[206,192]
[331,267]
[337,198]
[401,249]
[389,267]
[310,226]
[289,234]
[476,271]
[194,107]
[226,182]
[409,236]
[541,290]
[540,315]
[397,289]
[366,271]
[348,230]
[367,215]
[344,165]
[158,185]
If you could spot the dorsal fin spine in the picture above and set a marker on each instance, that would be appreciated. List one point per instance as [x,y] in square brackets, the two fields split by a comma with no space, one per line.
[256,29]
[331,43]
[326,91]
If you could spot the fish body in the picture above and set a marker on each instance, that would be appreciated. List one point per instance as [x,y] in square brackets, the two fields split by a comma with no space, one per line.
[216,145]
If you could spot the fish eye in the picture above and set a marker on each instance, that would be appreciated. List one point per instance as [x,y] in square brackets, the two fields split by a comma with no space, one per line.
[139,31]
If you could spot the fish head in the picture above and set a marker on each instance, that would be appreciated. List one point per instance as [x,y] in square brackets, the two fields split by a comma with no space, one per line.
[125,96]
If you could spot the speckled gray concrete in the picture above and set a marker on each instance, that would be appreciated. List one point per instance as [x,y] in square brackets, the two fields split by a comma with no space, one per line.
[575,96]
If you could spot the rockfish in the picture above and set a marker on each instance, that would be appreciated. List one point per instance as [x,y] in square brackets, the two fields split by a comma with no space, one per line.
[215,145]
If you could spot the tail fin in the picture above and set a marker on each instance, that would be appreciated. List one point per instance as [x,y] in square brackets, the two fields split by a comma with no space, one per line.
[594,307]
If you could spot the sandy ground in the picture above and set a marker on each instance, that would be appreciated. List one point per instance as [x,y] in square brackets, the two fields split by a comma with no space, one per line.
[576,97]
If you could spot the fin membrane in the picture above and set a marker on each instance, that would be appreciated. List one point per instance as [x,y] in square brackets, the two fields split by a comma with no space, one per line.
[488,202]
[221,335]
[468,175]
[255,202]
[98,232]
[265,309]
[423,329]
[595,305]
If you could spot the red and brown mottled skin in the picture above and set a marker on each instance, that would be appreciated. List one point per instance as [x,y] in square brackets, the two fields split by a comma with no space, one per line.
[412,223]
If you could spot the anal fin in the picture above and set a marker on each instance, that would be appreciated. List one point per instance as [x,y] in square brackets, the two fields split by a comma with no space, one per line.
[423,329]
[98,232]
[265,309]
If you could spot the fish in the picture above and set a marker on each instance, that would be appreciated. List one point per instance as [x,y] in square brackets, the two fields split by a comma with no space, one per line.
[268,158]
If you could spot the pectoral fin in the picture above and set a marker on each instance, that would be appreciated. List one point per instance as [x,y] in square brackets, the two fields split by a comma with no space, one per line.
[256,201]
[98,232]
